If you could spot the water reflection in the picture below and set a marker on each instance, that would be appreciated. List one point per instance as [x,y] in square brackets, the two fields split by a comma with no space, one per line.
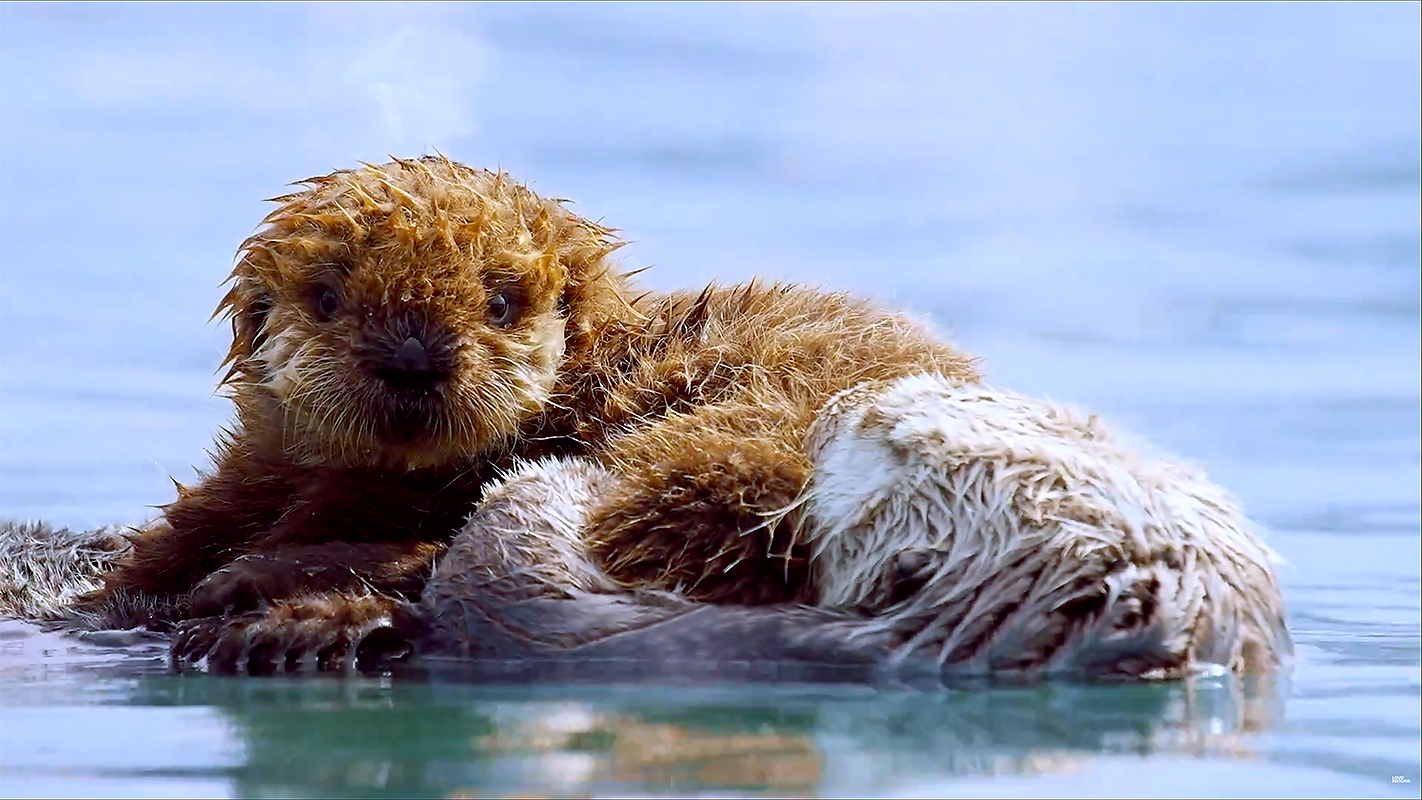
[370,738]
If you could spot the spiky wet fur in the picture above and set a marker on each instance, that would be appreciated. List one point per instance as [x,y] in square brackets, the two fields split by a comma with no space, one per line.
[407,248]
[43,569]
[700,402]
[1001,534]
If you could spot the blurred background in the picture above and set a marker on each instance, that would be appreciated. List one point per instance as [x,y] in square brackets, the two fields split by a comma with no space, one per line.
[1199,219]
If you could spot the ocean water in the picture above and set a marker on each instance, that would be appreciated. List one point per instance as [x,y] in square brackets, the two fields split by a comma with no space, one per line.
[1200,220]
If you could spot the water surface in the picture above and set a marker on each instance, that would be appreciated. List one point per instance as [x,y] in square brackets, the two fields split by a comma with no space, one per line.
[1200,220]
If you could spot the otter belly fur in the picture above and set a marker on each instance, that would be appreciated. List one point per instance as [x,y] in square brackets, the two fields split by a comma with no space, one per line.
[956,530]
[518,594]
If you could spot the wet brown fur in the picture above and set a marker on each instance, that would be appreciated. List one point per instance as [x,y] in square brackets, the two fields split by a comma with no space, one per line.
[704,409]
[328,485]
[310,475]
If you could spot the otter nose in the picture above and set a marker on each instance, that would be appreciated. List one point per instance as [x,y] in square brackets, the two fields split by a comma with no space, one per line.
[409,366]
[411,357]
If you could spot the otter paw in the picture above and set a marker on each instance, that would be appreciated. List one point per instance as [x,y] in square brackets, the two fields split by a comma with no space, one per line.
[253,582]
[313,634]
[247,584]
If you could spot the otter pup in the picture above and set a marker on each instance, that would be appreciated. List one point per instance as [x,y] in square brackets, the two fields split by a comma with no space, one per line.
[402,332]
[395,330]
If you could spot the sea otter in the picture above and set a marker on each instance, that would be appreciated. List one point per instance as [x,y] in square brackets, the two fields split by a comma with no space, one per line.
[403,332]
[396,330]
[408,333]
[997,534]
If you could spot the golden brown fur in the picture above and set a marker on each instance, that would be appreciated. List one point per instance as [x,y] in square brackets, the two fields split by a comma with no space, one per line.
[705,407]
[402,332]
[356,453]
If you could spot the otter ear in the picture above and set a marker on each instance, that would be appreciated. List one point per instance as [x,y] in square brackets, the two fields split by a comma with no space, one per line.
[594,285]
[248,304]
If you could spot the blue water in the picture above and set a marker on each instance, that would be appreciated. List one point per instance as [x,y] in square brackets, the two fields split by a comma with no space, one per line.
[1200,220]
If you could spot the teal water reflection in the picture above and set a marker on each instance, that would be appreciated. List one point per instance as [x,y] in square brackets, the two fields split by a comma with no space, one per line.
[373,738]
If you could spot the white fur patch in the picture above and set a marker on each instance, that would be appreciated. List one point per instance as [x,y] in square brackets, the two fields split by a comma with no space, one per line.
[540,372]
[1010,500]
[278,355]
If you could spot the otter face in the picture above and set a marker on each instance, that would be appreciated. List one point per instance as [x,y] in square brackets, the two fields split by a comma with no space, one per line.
[404,315]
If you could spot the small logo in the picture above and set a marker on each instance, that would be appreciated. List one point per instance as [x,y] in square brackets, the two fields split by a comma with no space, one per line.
[1400,779]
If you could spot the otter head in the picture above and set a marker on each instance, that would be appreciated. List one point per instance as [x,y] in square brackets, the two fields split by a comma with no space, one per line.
[409,314]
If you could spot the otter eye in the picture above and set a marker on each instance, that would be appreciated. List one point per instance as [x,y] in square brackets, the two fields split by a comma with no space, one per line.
[501,310]
[327,303]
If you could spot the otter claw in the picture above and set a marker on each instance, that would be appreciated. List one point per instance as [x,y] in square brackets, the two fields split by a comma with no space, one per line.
[284,640]
[231,653]
[184,642]
[223,643]
[192,640]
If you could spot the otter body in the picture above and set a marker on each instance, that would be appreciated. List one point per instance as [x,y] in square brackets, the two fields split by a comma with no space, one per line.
[955,531]
[403,333]
[520,596]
